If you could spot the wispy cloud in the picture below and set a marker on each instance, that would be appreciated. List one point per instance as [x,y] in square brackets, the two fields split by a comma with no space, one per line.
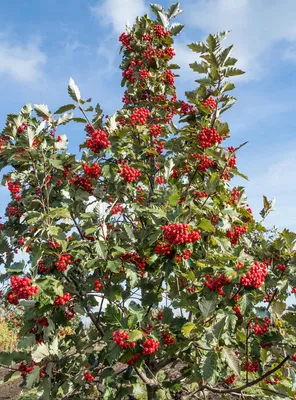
[118,12]
[22,62]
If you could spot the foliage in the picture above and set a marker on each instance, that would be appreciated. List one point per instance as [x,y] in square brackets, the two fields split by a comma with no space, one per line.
[145,238]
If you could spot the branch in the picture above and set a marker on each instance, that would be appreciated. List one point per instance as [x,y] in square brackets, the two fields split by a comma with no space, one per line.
[145,379]
[247,385]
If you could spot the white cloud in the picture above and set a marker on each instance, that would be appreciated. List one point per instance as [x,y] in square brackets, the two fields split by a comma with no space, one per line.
[256,27]
[118,12]
[22,62]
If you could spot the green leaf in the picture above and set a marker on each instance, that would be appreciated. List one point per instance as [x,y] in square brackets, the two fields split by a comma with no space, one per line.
[206,225]
[187,328]
[207,307]
[218,328]
[64,119]
[173,198]
[67,107]
[8,376]
[33,377]
[213,183]
[113,316]
[201,68]
[176,28]
[131,275]
[42,110]
[74,91]
[114,265]
[41,352]
[278,307]
[198,47]
[227,87]
[16,268]
[174,10]
[62,144]
[230,71]
[101,249]
[82,120]
[231,359]
[223,129]
[129,233]
[135,335]
[210,366]
[163,19]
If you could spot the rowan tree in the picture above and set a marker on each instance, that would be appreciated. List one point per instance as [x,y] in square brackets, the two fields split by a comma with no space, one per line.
[146,274]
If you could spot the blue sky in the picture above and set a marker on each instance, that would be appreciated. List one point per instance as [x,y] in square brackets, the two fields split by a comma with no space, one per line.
[42,44]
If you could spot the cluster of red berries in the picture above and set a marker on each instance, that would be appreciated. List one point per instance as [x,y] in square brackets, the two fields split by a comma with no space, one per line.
[88,376]
[185,255]
[175,174]
[293,290]
[125,39]
[53,244]
[237,311]
[144,74]
[62,300]
[230,380]
[150,346]
[128,74]
[14,189]
[236,233]
[208,137]
[252,367]
[134,359]
[98,285]
[134,258]
[83,181]
[98,139]
[268,295]
[159,180]
[159,146]
[139,116]
[121,338]
[93,170]
[129,174]
[42,269]
[163,248]
[217,284]
[22,128]
[261,330]
[232,161]
[25,368]
[160,32]
[22,288]
[116,209]
[149,52]
[43,321]
[274,381]
[255,277]
[169,77]
[64,260]
[210,102]
[168,338]
[294,357]
[187,108]
[281,267]
[70,313]
[180,233]
[235,195]
[204,162]
[13,211]
[155,130]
